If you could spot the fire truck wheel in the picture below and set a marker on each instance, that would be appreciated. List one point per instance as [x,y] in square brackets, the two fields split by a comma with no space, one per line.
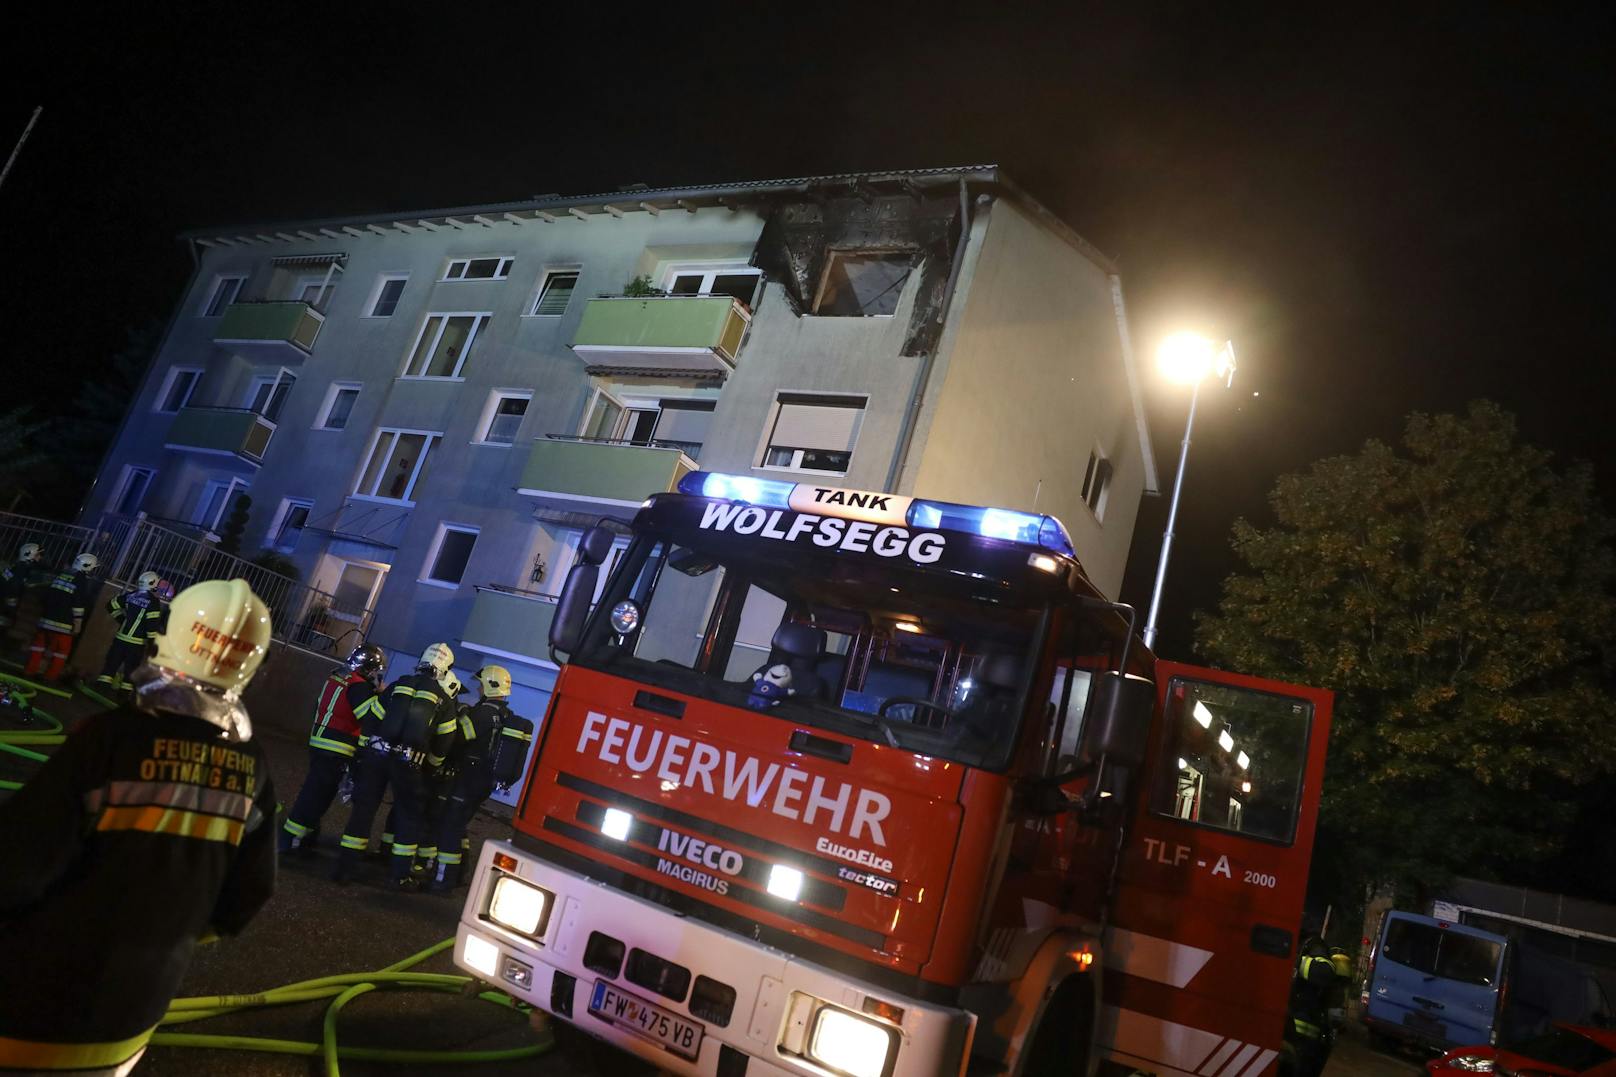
[586,1054]
[1062,1034]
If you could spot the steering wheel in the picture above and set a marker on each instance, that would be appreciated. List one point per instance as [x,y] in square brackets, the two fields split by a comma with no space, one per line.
[912,701]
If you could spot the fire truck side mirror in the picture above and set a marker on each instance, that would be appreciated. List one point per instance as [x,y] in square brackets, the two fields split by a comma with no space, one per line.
[1118,721]
[567,627]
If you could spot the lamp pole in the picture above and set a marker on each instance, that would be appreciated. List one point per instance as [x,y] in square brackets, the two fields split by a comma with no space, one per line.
[1224,367]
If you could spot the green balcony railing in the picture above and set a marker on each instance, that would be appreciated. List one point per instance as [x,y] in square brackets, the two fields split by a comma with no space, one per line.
[272,330]
[506,619]
[221,430]
[571,469]
[672,332]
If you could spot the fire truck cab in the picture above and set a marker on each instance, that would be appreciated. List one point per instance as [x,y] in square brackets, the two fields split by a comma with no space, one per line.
[854,784]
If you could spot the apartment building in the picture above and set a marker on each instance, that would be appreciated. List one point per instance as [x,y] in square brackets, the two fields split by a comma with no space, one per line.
[428,408]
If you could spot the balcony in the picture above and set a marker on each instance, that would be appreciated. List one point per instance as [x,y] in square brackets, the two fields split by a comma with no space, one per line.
[508,621]
[672,334]
[270,332]
[580,474]
[235,432]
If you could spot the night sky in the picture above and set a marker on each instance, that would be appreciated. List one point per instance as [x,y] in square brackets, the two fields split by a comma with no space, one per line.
[1384,214]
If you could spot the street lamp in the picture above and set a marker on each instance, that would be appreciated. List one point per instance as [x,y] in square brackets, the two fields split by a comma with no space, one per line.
[1186,359]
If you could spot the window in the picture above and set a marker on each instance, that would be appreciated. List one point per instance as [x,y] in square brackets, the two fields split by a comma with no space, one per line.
[385,302]
[225,290]
[338,406]
[679,424]
[397,464]
[177,389]
[315,291]
[554,292]
[735,282]
[1435,951]
[440,350]
[446,564]
[478,269]
[813,433]
[132,489]
[863,282]
[289,523]
[267,394]
[503,417]
[214,505]
[1096,483]
[1239,756]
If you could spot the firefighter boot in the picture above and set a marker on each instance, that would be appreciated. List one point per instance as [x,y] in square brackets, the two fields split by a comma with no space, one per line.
[445,879]
[347,867]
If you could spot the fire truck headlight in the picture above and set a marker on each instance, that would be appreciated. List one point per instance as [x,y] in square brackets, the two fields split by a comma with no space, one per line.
[1472,1063]
[480,954]
[616,823]
[785,882]
[850,1044]
[518,906]
[625,617]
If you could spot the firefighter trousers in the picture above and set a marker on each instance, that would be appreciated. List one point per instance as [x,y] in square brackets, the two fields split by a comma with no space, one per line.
[123,657]
[370,774]
[435,794]
[472,785]
[326,769]
[48,654]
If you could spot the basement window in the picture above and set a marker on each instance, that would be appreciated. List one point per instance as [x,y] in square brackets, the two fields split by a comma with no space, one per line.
[863,283]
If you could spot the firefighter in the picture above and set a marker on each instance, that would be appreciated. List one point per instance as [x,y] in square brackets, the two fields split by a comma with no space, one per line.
[151,827]
[348,697]
[14,580]
[61,620]
[437,777]
[141,616]
[1309,1033]
[415,724]
[489,754]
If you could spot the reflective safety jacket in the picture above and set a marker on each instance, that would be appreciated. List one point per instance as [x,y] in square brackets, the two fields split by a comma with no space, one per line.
[140,616]
[347,699]
[14,579]
[66,598]
[493,737]
[140,834]
[417,716]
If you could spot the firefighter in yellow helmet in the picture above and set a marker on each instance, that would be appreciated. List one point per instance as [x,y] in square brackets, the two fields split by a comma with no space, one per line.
[489,754]
[411,733]
[150,827]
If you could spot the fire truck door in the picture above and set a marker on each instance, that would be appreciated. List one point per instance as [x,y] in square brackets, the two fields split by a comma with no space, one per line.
[1210,894]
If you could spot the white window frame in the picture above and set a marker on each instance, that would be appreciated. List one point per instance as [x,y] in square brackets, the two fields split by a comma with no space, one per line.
[433,437]
[482,319]
[532,308]
[565,552]
[272,537]
[502,271]
[230,486]
[382,280]
[168,387]
[273,381]
[707,271]
[125,478]
[764,445]
[320,281]
[444,527]
[219,282]
[491,408]
[330,402]
[1097,460]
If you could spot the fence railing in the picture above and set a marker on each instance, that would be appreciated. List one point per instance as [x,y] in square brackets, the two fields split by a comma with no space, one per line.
[129,546]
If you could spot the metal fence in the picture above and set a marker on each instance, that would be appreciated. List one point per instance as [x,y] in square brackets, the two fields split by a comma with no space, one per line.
[129,546]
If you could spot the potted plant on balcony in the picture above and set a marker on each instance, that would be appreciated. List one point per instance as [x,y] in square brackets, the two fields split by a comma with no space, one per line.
[640,287]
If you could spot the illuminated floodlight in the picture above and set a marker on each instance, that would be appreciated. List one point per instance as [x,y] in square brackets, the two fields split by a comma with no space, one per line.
[1245,787]
[785,882]
[616,824]
[1225,741]
[1183,764]
[1202,715]
[1186,358]
[1244,760]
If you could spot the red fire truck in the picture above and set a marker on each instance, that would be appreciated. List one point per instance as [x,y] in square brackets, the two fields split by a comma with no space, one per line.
[847,783]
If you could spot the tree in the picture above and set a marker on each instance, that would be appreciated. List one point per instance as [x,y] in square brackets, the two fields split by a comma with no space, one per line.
[21,455]
[235,523]
[1457,597]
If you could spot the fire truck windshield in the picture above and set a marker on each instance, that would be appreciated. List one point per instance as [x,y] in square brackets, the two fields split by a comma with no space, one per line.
[936,662]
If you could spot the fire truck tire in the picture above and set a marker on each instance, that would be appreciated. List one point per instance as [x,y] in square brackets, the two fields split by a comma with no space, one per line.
[586,1054]
[1063,1034]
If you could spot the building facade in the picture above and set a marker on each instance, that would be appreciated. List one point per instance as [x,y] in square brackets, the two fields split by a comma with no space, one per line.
[427,409]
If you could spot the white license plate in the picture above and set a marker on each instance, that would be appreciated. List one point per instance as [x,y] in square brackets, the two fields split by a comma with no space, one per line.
[678,1035]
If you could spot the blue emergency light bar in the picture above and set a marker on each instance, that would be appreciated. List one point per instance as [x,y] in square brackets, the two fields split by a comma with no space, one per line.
[1025,527]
